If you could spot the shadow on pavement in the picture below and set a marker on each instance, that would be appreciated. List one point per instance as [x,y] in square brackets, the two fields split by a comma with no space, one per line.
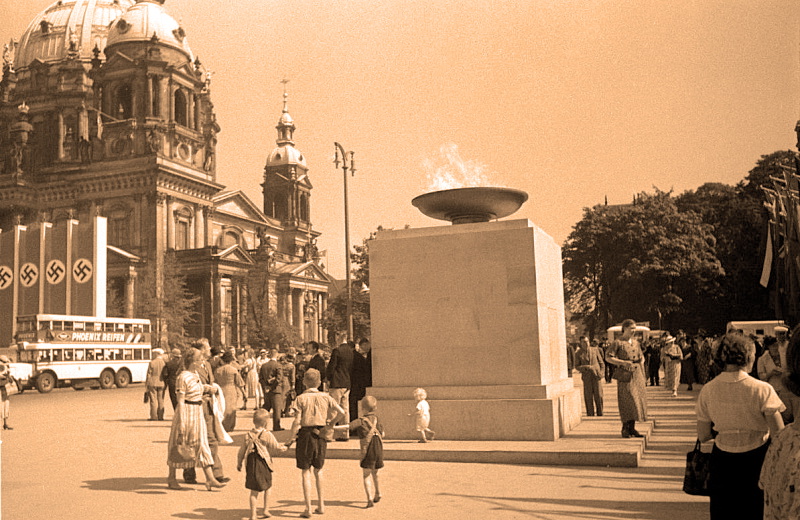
[592,509]
[141,485]
[207,513]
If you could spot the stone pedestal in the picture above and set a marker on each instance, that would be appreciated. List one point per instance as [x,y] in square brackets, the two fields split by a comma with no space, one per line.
[474,314]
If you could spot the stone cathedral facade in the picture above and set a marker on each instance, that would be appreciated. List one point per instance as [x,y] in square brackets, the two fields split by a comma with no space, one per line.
[105,110]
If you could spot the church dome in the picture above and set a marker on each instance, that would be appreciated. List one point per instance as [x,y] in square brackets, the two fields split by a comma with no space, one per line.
[143,21]
[284,155]
[80,23]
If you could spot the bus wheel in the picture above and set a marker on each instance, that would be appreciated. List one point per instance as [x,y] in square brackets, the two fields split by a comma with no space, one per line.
[45,382]
[106,379]
[123,378]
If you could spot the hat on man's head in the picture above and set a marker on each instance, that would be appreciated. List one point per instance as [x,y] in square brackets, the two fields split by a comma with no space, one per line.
[4,359]
[176,352]
[262,351]
[669,339]
[781,328]
[158,351]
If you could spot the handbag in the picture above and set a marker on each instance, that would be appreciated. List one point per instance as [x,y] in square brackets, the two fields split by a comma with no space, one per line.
[698,472]
[622,375]
[12,387]
[183,452]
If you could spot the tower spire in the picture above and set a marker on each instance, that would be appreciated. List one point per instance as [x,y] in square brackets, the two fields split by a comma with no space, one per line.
[285,96]
[285,123]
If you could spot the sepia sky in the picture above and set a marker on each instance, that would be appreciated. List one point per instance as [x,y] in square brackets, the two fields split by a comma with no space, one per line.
[569,100]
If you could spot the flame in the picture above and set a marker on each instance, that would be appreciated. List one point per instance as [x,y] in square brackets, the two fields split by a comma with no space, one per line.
[449,171]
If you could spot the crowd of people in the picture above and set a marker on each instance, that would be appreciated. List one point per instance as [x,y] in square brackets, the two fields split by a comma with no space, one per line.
[747,405]
[207,386]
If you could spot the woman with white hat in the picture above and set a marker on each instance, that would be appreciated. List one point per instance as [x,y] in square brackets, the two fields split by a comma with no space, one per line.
[671,356]
[5,377]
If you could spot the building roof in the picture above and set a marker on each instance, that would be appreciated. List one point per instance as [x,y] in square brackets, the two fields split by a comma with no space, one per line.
[80,23]
[146,21]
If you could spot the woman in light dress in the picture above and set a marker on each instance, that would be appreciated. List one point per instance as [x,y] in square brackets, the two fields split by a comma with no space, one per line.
[671,357]
[188,438]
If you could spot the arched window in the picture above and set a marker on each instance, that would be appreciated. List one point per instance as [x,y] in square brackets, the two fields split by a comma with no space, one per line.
[230,238]
[304,216]
[183,228]
[119,229]
[181,108]
[281,206]
[124,102]
[197,123]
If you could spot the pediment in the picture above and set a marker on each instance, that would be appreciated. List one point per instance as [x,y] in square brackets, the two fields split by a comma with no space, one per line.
[239,205]
[117,61]
[235,253]
[308,271]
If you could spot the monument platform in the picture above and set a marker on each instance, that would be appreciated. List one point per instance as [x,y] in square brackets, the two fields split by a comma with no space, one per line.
[596,441]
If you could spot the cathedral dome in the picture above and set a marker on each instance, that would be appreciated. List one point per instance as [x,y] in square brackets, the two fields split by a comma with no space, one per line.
[143,21]
[68,25]
[285,155]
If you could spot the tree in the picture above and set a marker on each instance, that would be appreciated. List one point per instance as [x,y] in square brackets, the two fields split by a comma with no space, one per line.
[335,318]
[737,218]
[165,299]
[647,260]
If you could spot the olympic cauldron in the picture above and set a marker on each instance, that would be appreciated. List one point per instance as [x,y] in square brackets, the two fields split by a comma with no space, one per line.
[474,314]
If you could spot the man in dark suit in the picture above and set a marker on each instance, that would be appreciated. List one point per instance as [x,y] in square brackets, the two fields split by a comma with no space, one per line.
[339,369]
[317,361]
[361,377]
[275,387]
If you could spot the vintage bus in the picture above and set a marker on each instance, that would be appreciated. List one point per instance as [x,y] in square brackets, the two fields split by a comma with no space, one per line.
[64,350]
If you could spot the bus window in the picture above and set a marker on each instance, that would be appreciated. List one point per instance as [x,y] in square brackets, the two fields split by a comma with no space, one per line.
[98,327]
[56,354]
[98,354]
[108,354]
[127,354]
[79,354]
[25,326]
[67,354]
[78,325]
[108,327]
[89,354]
[137,353]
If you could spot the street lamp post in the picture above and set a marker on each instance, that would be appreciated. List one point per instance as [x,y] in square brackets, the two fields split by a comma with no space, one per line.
[348,163]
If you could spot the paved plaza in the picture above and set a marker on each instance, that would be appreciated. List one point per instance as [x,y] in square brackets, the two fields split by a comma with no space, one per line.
[93,455]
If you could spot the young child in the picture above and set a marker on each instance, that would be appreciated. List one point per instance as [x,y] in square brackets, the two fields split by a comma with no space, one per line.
[370,433]
[258,444]
[423,416]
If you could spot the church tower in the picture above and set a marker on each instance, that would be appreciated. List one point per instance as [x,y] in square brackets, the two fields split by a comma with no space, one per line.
[287,189]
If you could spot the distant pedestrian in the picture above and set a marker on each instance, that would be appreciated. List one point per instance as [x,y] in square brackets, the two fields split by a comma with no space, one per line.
[229,379]
[422,416]
[589,362]
[275,385]
[671,356]
[317,361]
[745,412]
[155,386]
[688,364]
[361,377]
[256,455]
[626,354]
[653,357]
[251,380]
[5,378]
[315,413]
[172,369]
[339,371]
[370,433]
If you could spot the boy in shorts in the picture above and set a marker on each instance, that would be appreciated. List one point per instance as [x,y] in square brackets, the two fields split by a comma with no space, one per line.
[315,414]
